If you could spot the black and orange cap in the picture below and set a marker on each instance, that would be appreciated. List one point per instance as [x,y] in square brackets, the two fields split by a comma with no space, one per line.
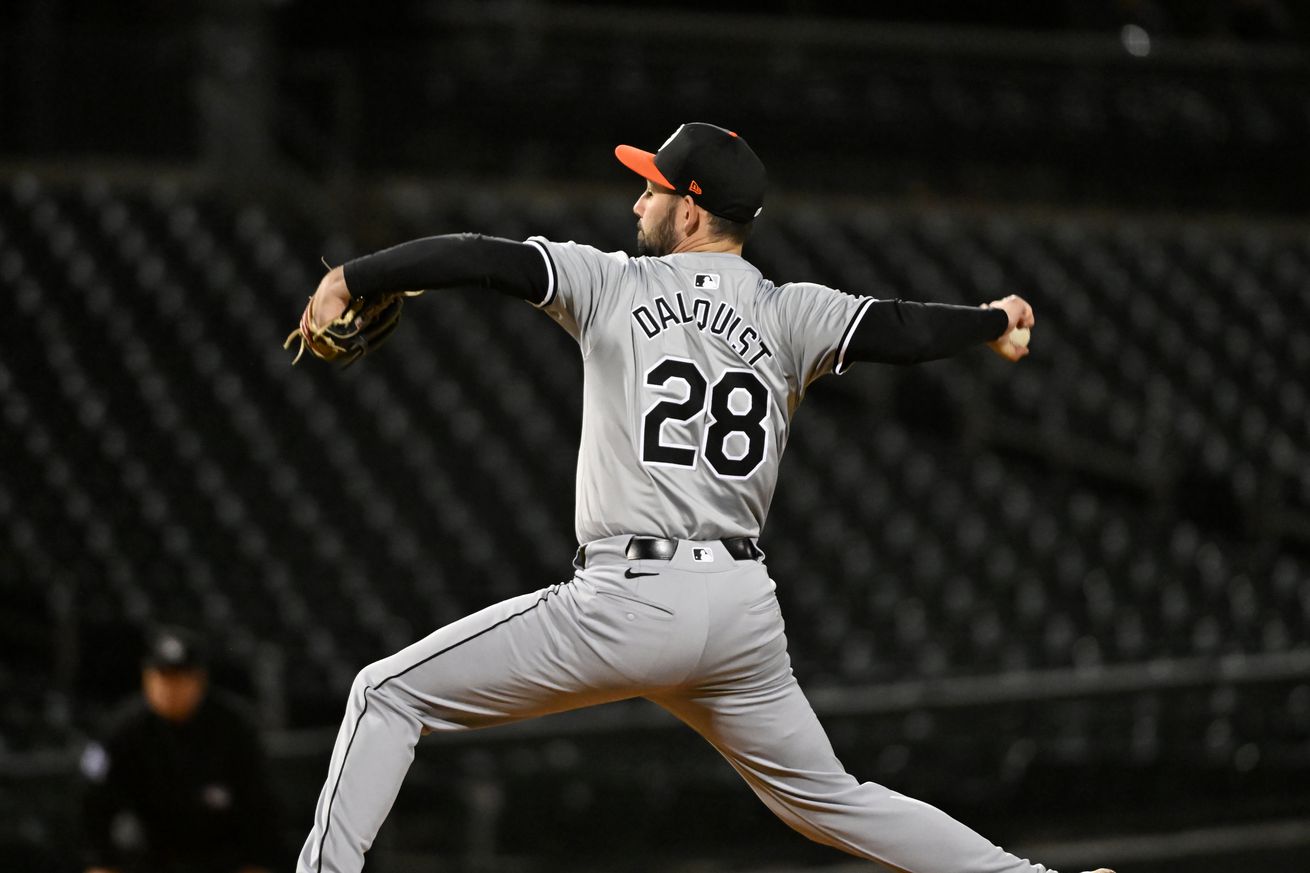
[715,166]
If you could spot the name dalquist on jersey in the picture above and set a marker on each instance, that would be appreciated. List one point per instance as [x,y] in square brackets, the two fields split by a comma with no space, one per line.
[724,323]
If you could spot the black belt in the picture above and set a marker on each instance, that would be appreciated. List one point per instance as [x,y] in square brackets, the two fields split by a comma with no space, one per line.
[661,549]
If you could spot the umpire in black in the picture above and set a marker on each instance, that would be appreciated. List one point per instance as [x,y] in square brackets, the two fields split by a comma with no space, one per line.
[178,782]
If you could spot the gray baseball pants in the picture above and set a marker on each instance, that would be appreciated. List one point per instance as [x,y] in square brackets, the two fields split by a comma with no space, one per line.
[701,638]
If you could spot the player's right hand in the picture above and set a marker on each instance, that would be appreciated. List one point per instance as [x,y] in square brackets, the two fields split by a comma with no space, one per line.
[1020,315]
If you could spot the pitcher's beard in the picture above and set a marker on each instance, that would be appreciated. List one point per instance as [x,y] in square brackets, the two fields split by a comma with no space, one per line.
[661,239]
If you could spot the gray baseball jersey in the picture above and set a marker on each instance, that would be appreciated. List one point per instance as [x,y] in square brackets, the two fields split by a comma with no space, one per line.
[694,364]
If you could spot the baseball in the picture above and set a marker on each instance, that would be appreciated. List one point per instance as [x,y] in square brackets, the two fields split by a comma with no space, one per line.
[1019,336]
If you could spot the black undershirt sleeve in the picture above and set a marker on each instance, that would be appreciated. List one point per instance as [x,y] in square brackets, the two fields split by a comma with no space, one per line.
[902,332]
[514,268]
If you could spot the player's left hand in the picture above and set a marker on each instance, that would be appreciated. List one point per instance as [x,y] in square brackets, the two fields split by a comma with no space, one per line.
[337,326]
[330,300]
[1021,318]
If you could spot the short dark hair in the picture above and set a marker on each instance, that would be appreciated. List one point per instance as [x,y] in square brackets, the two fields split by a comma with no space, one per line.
[737,231]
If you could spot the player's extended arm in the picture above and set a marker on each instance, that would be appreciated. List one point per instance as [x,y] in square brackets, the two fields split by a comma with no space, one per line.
[515,268]
[901,332]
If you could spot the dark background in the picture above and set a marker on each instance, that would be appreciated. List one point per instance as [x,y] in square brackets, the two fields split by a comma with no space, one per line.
[1068,601]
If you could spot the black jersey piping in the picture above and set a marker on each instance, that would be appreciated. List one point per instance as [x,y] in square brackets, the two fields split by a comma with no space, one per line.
[846,337]
[327,815]
[551,284]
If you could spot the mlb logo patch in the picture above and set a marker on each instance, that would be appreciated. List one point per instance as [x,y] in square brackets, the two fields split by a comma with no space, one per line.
[708,281]
[705,556]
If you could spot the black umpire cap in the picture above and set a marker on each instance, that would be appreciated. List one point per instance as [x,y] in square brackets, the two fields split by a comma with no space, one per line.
[713,165]
[174,648]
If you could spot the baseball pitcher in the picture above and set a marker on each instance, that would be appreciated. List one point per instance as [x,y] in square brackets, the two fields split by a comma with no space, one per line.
[694,365]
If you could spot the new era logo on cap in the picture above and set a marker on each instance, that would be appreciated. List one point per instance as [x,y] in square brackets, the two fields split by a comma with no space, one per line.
[713,165]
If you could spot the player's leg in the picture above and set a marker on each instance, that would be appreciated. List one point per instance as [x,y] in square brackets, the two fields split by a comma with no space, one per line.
[560,648]
[778,746]
[392,703]
[514,659]
[754,712]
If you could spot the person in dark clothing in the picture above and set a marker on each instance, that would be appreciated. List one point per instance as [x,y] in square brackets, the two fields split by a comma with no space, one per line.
[178,783]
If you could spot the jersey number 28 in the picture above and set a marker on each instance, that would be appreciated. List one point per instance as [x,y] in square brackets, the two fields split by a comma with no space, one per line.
[738,404]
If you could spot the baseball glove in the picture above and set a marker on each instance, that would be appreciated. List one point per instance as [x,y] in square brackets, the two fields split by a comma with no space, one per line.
[359,330]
